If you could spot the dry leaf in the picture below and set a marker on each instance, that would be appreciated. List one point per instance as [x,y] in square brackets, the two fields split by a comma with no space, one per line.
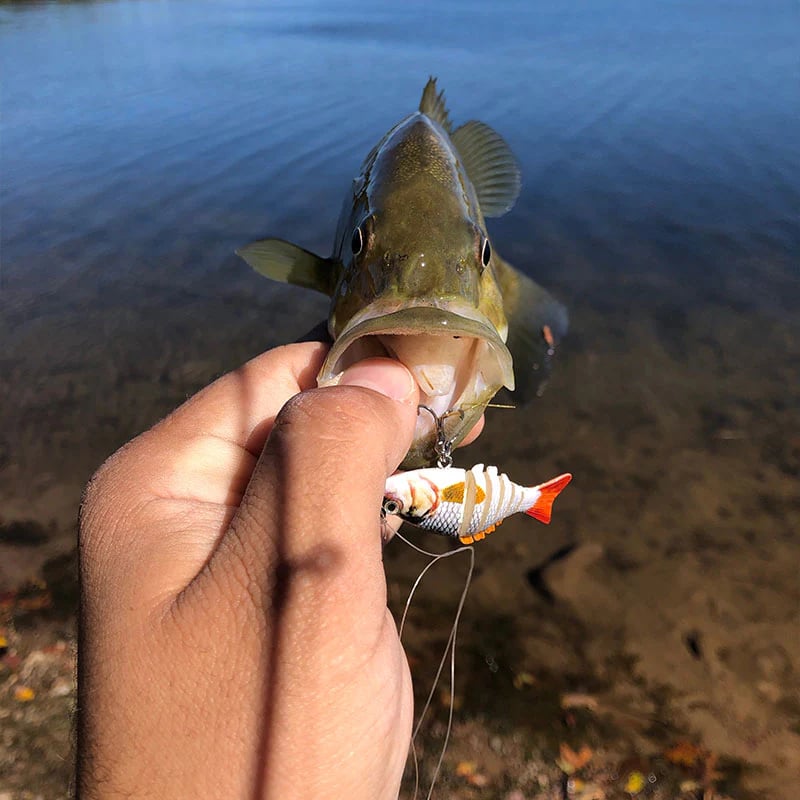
[581,790]
[24,694]
[445,698]
[684,754]
[466,768]
[569,761]
[579,700]
[635,783]
[523,679]
[710,772]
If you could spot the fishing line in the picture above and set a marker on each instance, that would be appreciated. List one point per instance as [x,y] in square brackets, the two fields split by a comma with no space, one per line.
[450,648]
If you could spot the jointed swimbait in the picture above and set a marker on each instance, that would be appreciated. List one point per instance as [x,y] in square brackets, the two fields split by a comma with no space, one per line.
[466,504]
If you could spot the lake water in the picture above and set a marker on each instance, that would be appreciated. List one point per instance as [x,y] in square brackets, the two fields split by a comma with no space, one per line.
[142,142]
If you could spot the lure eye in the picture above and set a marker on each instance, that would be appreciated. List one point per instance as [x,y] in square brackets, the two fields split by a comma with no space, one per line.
[391,506]
[357,242]
[486,253]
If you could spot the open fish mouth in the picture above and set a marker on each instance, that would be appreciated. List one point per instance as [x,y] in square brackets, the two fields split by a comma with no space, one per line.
[456,355]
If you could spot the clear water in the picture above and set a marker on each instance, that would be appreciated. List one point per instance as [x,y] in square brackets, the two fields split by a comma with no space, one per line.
[147,140]
[141,142]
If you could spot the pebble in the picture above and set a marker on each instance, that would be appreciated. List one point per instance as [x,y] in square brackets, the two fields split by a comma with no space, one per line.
[61,687]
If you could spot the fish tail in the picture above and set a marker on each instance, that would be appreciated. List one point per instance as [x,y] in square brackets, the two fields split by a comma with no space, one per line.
[548,492]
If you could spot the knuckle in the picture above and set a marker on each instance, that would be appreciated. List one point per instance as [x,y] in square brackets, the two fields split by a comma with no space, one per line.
[95,499]
[334,422]
[341,410]
[104,504]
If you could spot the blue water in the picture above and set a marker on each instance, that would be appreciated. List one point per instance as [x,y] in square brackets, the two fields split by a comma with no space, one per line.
[142,142]
[146,140]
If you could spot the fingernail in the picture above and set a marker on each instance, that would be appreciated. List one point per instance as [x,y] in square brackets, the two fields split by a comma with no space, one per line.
[389,378]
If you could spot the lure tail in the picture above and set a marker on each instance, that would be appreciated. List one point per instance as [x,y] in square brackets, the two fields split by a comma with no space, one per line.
[548,492]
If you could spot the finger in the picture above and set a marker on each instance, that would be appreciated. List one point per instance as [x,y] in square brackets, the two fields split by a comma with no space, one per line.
[219,432]
[155,509]
[241,406]
[476,431]
[301,569]
[311,513]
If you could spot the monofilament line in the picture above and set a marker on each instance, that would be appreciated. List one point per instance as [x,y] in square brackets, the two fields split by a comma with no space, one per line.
[450,646]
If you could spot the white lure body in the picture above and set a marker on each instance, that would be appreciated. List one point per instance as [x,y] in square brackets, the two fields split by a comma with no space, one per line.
[466,504]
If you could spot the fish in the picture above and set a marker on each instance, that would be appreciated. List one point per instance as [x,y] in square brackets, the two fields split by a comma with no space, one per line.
[466,504]
[413,274]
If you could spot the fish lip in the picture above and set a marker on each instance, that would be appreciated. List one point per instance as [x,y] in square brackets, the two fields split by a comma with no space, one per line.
[441,318]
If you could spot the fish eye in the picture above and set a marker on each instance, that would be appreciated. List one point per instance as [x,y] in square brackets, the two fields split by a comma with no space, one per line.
[391,506]
[357,242]
[486,253]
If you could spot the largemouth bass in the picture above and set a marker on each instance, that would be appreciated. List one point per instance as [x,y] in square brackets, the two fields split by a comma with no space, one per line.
[413,274]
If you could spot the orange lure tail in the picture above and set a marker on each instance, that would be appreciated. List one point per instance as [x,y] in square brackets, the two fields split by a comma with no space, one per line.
[543,507]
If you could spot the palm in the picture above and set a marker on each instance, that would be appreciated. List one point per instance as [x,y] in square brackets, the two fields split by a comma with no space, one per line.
[263,609]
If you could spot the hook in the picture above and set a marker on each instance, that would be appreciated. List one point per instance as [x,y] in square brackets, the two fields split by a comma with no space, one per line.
[444,446]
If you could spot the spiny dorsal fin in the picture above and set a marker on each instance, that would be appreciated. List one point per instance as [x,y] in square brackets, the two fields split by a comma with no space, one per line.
[536,324]
[491,167]
[434,106]
[284,261]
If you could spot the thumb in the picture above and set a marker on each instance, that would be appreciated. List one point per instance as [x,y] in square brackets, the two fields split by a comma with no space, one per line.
[311,511]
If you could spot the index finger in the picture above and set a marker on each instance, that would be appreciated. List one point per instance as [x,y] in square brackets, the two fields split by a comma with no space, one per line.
[241,406]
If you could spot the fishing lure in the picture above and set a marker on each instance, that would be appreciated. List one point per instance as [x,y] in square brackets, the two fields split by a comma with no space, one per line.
[466,504]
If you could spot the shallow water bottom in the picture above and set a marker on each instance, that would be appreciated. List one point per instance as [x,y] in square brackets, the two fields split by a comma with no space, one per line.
[665,590]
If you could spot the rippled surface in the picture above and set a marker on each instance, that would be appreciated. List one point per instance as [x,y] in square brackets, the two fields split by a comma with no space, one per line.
[145,132]
[660,151]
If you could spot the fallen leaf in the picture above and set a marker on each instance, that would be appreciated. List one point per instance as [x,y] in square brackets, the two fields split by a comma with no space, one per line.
[710,772]
[478,780]
[24,694]
[579,700]
[569,761]
[684,754]
[12,660]
[445,698]
[62,687]
[581,790]
[523,679]
[635,783]
[466,768]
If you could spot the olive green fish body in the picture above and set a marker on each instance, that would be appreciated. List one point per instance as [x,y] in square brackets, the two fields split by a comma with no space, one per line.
[414,276]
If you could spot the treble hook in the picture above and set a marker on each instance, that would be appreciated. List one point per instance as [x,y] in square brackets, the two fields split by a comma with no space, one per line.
[444,446]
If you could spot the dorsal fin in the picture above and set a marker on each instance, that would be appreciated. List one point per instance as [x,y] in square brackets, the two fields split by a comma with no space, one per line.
[434,106]
[490,165]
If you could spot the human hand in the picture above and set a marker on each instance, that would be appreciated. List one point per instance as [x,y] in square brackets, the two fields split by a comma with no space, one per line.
[235,640]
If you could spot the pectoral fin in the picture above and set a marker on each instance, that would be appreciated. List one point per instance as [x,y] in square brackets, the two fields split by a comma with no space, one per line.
[284,261]
[491,167]
[536,324]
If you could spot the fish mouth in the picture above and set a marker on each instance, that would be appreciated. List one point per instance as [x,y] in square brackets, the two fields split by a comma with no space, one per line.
[456,355]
